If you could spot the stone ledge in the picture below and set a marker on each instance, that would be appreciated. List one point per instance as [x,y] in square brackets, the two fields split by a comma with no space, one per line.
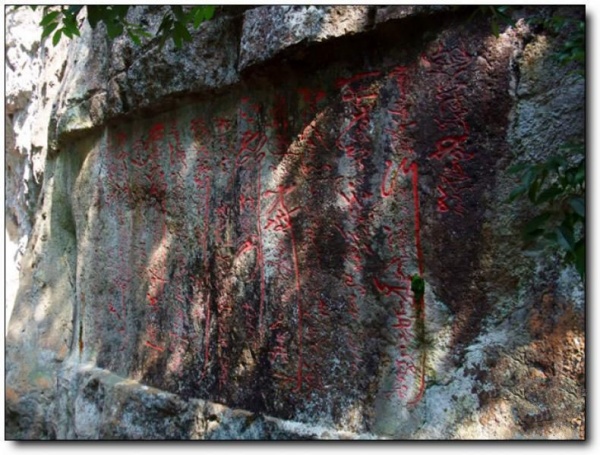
[135,78]
[269,30]
[395,12]
[103,405]
[142,78]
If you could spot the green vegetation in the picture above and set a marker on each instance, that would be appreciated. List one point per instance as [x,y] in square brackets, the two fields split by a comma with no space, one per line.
[421,341]
[417,286]
[61,21]
[499,15]
[556,187]
[572,50]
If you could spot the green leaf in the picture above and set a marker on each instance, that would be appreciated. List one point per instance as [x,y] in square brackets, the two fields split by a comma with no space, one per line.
[529,177]
[534,234]
[578,205]
[209,11]
[70,22]
[139,31]
[178,12]
[177,40]
[533,252]
[580,257]
[49,29]
[555,163]
[74,9]
[182,31]
[48,18]
[509,20]
[114,29]
[56,37]
[198,17]
[495,29]
[517,168]
[580,175]
[514,194]
[417,286]
[549,194]
[134,37]
[533,189]
[95,15]
[564,236]
[203,13]
[537,222]
[165,25]
[120,10]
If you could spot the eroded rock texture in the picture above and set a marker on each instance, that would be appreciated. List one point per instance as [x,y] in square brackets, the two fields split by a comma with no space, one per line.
[235,225]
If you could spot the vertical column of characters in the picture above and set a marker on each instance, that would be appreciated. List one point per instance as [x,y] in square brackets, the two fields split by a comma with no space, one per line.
[116,185]
[275,261]
[314,166]
[203,175]
[155,186]
[178,168]
[155,174]
[449,71]
[118,196]
[181,339]
[142,243]
[157,279]
[249,245]
[402,234]
[122,267]
[223,280]
[360,94]
[279,227]
[280,128]
[282,221]
[316,176]
[241,201]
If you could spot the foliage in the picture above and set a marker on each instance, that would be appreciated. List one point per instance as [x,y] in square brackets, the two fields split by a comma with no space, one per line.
[62,20]
[556,187]
[422,340]
[500,15]
[572,49]
[418,287]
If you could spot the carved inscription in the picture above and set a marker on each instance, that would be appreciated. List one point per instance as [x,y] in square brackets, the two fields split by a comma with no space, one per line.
[273,240]
[449,71]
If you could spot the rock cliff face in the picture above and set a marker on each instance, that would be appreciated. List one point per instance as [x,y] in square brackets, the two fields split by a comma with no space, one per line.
[226,235]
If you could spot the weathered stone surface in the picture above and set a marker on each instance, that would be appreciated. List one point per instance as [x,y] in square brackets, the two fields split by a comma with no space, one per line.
[108,79]
[239,266]
[269,30]
[387,13]
[98,404]
[33,78]
[206,63]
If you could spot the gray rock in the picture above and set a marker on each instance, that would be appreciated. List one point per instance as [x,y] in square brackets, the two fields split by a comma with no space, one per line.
[226,250]
[269,30]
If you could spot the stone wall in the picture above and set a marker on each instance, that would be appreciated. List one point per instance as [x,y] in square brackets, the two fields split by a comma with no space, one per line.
[227,233]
